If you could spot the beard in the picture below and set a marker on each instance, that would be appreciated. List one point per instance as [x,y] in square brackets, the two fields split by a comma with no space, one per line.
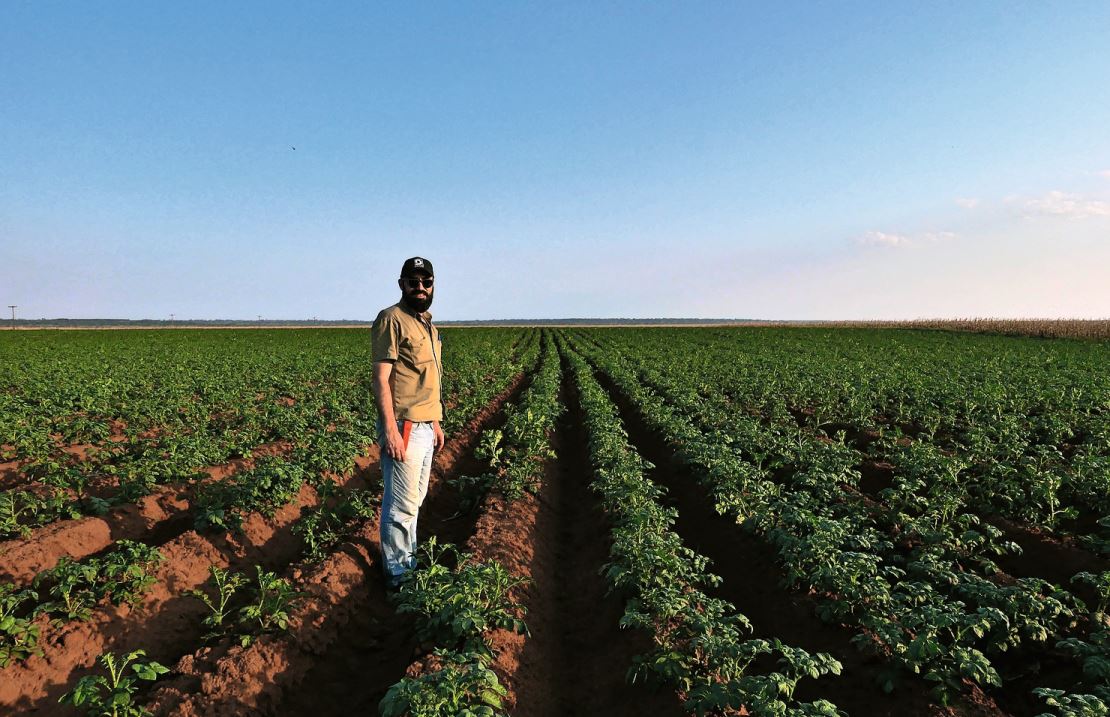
[416,304]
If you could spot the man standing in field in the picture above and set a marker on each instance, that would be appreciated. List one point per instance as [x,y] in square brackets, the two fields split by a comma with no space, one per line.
[407,372]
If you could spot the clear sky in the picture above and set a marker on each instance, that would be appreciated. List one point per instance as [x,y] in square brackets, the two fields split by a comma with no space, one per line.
[811,160]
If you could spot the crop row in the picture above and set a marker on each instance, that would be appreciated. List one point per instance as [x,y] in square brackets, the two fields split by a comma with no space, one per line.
[340,541]
[1029,419]
[700,647]
[911,570]
[264,515]
[460,600]
[314,395]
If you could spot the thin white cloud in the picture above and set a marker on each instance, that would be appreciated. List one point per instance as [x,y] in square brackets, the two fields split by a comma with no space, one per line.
[883,239]
[968,202]
[1063,204]
[890,240]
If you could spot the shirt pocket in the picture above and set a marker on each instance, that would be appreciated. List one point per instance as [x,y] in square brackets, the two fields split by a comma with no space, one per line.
[417,350]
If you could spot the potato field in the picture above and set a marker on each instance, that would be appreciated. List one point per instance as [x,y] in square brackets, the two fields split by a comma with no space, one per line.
[623,521]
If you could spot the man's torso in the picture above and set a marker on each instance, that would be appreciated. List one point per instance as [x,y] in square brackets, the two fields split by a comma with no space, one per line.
[412,343]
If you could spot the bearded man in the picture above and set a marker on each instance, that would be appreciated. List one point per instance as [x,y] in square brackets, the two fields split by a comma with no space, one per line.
[407,372]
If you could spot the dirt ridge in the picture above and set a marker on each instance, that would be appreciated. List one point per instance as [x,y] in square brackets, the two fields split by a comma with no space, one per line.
[575,661]
[156,517]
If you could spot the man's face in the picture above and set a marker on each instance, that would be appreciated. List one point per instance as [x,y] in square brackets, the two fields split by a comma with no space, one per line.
[416,291]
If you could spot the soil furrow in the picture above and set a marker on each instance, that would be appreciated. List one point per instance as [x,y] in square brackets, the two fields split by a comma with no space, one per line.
[344,638]
[576,659]
[11,475]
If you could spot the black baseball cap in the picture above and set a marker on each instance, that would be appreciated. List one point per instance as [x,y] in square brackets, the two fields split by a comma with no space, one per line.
[415,264]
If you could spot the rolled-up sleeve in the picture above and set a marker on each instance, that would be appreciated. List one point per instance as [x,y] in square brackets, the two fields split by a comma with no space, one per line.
[385,336]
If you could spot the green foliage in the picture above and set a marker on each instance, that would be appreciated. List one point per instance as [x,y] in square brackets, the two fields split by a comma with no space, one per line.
[225,584]
[517,453]
[457,606]
[22,510]
[323,528]
[272,483]
[113,695]
[19,636]
[1071,705]
[159,406]
[699,643]
[268,609]
[776,425]
[1101,584]
[462,686]
[264,605]
[121,575]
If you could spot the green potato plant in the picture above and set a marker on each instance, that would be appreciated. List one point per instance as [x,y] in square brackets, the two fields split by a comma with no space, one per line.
[19,636]
[462,686]
[112,695]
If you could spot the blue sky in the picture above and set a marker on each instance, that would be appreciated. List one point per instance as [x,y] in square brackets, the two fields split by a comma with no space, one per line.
[797,161]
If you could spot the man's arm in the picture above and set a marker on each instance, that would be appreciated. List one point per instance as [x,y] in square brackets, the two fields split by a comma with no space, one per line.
[394,444]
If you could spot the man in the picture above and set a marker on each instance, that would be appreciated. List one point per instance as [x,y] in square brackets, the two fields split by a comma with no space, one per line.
[407,373]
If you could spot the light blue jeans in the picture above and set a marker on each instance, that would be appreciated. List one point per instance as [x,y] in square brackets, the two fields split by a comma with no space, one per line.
[406,485]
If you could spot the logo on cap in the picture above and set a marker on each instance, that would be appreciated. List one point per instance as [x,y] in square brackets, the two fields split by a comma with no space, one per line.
[418,262]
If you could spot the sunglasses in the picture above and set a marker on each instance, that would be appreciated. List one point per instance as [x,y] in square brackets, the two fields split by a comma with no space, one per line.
[413,283]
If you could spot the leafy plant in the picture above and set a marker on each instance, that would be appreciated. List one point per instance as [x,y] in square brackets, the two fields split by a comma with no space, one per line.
[272,483]
[463,685]
[19,636]
[122,575]
[226,584]
[113,695]
[269,606]
[324,527]
[22,510]
[74,587]
[1071,705]
[124,572]
[458,606]
[1101,583]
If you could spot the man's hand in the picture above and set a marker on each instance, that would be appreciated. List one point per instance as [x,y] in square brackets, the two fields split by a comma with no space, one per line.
[394,444]
[438,432]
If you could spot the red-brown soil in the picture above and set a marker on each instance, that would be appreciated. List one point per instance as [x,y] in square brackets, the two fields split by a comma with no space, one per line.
[875,476]
[168,622]
[752,582]
[345,625]
[10,475]
[153,518]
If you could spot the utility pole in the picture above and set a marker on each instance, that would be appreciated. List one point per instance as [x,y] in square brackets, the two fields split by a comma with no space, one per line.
[12,307]
[260,317]
[171,318]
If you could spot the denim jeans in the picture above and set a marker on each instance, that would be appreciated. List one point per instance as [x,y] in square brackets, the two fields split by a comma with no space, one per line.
[406,484]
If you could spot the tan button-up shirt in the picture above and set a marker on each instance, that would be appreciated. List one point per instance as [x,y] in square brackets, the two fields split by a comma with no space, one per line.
[411,342]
